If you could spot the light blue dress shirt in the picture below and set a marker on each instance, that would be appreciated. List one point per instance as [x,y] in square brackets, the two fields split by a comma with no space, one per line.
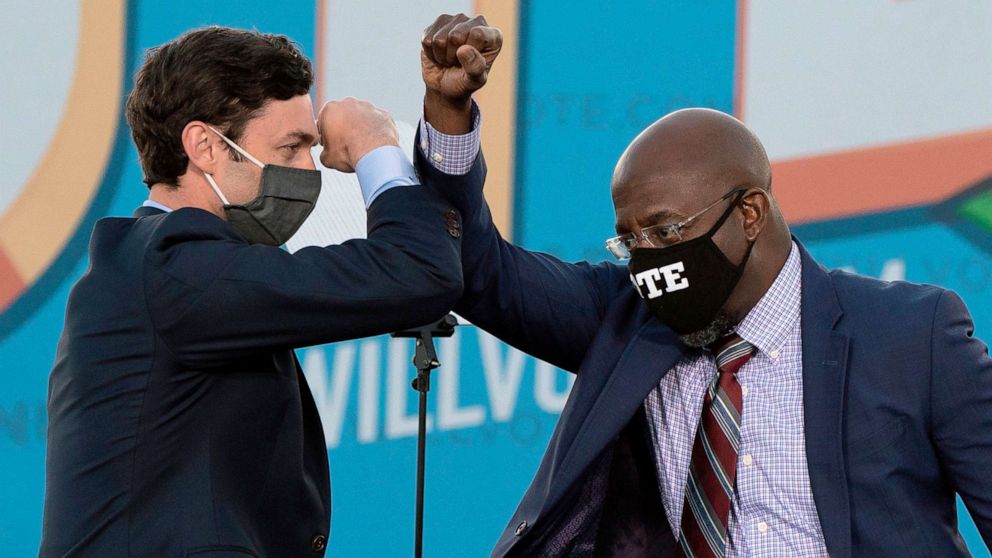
[384,168]
[156,205]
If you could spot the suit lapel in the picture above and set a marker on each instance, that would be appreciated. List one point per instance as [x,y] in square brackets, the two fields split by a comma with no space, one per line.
[825,353]
[654,350]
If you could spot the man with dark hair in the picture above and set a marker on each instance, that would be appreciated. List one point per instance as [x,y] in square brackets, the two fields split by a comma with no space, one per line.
[180,423]
[216,74]
[732,397]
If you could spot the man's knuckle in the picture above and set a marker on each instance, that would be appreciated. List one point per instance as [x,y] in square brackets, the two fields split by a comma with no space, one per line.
[477,35]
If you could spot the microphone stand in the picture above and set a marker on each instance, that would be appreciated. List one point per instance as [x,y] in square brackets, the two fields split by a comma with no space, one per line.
[425,360]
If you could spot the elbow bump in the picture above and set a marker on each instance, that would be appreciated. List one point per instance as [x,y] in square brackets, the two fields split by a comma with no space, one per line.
[451,285]
[448,290]
[455,294]
[447,280]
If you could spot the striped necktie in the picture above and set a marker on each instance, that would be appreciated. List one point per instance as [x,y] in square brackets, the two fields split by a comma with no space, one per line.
[709,490]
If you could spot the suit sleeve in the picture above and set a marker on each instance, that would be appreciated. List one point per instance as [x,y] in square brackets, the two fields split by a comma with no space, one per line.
[213,296]
[533,301]
[962,408]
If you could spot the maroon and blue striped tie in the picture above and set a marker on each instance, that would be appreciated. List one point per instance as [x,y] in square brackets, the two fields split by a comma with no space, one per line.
[709,490]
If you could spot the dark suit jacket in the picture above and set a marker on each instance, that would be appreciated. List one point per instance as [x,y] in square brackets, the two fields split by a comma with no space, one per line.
[897,397]
[180,423]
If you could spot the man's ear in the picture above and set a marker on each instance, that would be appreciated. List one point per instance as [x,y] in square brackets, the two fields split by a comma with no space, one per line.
[755,206]
[202,146]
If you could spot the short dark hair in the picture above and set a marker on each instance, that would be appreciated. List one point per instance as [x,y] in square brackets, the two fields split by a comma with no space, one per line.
[219,75]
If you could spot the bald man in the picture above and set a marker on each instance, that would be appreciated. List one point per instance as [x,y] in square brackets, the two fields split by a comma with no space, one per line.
[733,397]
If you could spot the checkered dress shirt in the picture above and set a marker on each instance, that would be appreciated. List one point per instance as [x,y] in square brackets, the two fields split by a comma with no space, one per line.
[451,154]
[773,513]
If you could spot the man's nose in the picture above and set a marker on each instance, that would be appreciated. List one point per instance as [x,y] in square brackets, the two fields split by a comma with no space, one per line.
[308,162]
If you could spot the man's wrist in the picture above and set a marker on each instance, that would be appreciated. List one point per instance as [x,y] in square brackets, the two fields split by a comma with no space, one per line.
[448,116]
[451,154]
[358,152]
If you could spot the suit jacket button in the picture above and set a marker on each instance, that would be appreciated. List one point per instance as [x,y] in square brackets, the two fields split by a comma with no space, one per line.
[452,219]
[318,543]
[521,528]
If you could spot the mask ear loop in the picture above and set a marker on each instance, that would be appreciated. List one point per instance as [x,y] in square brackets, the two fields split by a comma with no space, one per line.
[726,213]
[747,256]
[237,148]
[210,180]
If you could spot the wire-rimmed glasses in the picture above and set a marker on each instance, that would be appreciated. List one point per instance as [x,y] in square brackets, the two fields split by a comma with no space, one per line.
[658,236]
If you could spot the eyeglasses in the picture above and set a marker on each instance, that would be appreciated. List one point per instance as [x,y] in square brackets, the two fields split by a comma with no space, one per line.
[658,236]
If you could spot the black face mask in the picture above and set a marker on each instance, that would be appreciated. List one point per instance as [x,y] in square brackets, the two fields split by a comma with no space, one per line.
[685,285]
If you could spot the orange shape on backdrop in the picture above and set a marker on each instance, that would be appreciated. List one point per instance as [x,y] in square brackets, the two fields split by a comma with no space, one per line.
[11,283]
[880,178]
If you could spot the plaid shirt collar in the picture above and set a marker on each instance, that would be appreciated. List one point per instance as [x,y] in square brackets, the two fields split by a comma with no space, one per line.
[768,325]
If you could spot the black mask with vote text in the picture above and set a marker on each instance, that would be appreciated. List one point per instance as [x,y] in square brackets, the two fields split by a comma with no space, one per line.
[685,285]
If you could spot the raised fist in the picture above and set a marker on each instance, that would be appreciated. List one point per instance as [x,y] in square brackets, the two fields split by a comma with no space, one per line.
[349,129]
[456,56]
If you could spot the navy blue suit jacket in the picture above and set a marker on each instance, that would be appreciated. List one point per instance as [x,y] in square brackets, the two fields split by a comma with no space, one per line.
[897,397]
[180,423]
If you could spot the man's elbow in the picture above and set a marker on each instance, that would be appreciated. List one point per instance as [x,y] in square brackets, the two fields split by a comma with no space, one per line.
[451,285]
[446,287]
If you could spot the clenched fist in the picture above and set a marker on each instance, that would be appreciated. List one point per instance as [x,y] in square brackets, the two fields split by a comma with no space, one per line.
[456,56]
[349,129]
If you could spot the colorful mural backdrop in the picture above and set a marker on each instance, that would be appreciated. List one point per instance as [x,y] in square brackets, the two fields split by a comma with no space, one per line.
[876,115]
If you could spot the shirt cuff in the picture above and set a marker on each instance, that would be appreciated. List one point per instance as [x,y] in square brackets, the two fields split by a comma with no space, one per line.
[381,169]
[451,154]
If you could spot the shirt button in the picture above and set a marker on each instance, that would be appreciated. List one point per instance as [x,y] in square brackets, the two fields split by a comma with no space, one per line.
[521,528]
[438,157]
[744,390]
[748,460]
[423,144]
[774,355]
[318,543]
[762,527]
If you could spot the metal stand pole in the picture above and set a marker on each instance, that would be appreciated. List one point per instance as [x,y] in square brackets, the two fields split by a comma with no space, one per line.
[425,360]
